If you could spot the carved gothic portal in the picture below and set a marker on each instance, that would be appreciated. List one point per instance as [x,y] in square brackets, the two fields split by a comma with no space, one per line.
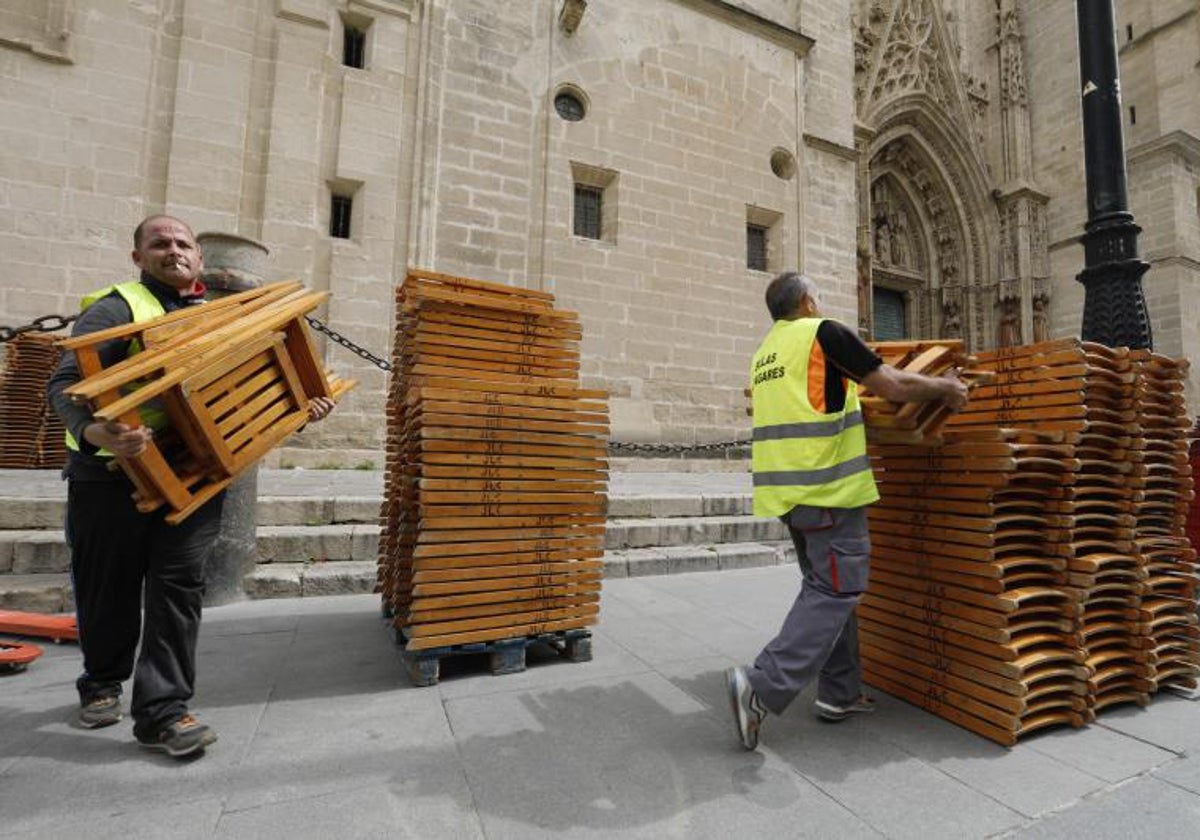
[951,227]
[921,248]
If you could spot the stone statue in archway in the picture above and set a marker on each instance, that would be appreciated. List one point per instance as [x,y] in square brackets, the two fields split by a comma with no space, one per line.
[1010,323]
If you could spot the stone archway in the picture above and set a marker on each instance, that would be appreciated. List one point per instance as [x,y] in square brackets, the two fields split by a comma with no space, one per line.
[923,120]
[929,230]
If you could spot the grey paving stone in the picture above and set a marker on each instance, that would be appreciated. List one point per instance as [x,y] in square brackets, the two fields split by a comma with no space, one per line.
[1170,721]
[662,766]
[314,709]
[1146,807]
[880,782]
[1030,782]
[186,820]
[397,806]
[654,641]
[1183,772]
[1101,751]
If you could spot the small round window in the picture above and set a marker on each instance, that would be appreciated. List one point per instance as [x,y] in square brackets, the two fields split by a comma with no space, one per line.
[783,164]
[569,105]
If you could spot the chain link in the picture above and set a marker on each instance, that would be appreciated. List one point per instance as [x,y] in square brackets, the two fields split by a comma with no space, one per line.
[657,448]
[678,448]
[337,337]
[46,323]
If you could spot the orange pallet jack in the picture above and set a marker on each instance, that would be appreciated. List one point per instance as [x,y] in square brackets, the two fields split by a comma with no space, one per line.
[57,628]
[14,656]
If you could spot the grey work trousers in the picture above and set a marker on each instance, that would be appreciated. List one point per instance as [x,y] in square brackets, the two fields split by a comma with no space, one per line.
[819,637]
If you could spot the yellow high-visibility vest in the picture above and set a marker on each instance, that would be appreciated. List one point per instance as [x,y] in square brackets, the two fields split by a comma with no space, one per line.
[144,306]
[801,455]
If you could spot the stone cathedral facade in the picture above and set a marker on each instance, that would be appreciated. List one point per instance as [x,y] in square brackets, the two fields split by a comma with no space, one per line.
[651,163]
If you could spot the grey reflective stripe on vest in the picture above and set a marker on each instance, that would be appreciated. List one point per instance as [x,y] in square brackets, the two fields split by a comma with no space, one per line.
[808,478]
[821,428]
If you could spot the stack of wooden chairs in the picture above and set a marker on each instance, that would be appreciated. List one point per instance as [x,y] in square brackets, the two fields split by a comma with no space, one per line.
[967,614]
[1087,389]
[31,435]
[494,511]
[889,422]
[1161,543]
[1060,493]
[234,376]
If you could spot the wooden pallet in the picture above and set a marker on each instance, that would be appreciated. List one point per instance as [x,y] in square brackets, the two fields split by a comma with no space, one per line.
[504,656]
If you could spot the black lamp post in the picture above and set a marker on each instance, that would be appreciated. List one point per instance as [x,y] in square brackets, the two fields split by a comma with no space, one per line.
[1114,307]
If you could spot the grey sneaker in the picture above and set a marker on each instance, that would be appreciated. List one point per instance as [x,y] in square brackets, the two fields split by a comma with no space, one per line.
[748,710]
[181,738]
[100,711]
[834,713]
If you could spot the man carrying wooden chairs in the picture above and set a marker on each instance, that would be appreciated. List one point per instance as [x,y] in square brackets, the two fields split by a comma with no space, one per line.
[118,551]
[809,457]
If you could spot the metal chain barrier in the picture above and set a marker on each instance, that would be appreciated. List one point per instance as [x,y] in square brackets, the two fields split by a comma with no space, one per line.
[649,448]
[52,323]
[677,448]
[337,337]
[46,323]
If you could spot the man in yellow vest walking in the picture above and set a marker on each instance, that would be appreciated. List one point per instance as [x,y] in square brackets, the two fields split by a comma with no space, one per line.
[809,458]
[122,558]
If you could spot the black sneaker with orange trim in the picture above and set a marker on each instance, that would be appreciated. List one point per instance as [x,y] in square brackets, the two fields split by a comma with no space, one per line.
[184,737]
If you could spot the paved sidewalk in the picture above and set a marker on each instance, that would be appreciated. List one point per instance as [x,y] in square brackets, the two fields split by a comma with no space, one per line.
[322,735]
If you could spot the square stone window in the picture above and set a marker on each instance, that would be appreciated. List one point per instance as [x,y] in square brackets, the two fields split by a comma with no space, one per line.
[762,234]
[355,29]
[594,202]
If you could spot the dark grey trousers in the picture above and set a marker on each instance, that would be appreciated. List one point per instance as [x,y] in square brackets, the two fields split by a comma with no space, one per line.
[819,637]
[117,554]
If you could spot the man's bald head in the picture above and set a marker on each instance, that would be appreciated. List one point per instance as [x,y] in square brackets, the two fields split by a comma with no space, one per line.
[165,248]
[139,232]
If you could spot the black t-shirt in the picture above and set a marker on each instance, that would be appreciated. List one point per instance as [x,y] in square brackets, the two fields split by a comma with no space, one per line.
[845,356]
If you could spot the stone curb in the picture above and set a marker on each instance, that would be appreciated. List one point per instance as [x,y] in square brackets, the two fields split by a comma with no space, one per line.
[297,580]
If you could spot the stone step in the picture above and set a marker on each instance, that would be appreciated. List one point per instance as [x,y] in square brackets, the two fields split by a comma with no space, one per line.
[45,551]
[51,593]
[691,530]
[48,513]
[41,593]
[348,577]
